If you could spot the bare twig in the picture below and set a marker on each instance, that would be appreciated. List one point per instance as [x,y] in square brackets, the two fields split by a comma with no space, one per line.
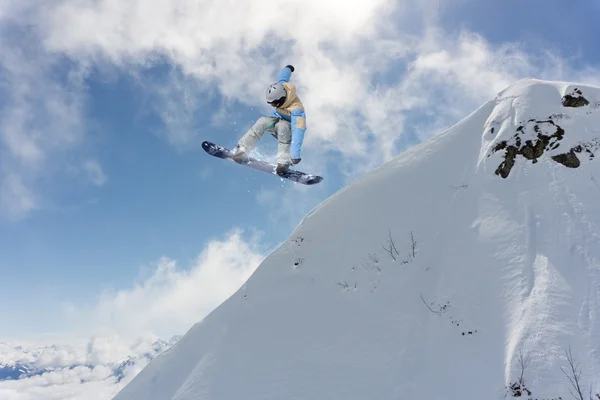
[413,244]
[593,396]
[438,312]
[374,258]
[424,302]
[518,388]
[574,376]
[524,362]
[391,247]
[369,267]
[343,284]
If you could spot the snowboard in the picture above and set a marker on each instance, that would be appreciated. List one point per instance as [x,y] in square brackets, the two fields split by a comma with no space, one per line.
[293,175]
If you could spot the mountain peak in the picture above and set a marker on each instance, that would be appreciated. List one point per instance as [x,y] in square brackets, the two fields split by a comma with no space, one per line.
[465,268]
[534,118]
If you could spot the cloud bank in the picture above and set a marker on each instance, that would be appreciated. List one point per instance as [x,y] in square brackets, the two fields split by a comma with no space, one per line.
[92,370]
[79,383]
[167,300]
[375,76]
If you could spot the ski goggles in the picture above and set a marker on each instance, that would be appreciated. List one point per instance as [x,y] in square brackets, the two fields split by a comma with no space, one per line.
[277,103]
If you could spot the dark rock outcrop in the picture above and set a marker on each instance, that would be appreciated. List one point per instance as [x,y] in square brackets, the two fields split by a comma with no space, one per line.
[548,136]
[575,99]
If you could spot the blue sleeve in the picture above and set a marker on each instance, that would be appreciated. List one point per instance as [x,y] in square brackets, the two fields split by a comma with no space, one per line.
[284,75]
[298,128]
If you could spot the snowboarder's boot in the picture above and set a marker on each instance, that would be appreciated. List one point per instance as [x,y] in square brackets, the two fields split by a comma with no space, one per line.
[282,169]
[239,155]
[296,160]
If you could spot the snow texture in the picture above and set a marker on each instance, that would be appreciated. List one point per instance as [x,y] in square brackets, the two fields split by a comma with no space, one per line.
[427,278]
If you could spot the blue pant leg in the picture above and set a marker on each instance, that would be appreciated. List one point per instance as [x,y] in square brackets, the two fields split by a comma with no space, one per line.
[297,140]
[298,130]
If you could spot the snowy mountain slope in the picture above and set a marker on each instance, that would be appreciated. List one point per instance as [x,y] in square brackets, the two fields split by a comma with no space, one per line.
[428,278]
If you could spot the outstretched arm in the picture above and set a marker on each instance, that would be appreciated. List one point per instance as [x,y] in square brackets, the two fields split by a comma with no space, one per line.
[285,74]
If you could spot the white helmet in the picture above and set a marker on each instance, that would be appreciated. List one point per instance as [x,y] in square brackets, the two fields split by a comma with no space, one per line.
[276,94]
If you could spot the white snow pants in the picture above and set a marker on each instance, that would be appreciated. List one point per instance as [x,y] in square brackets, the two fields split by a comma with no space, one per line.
[279,128]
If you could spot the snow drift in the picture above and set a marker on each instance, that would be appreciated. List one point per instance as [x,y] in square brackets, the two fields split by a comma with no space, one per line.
[466,268]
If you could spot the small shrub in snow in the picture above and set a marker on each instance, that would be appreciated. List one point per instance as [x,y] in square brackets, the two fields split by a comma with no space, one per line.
[390,248]
[373,257]
[344,285]
[518,388]
[574,375]
[413,246]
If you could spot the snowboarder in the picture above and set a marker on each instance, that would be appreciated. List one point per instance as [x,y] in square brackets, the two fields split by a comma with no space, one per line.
[287,124]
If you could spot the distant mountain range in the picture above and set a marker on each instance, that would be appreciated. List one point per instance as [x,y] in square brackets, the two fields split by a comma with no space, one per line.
[18,362]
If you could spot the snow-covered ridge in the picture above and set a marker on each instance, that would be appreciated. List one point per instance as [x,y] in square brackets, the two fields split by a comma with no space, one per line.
[466,268]
[542,128]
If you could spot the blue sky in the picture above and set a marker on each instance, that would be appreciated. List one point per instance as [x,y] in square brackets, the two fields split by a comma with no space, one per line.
[104,109]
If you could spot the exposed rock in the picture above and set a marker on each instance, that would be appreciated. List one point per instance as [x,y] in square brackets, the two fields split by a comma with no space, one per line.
[575,99]
[532,149]
[571,160]
[567,159]
[509,161]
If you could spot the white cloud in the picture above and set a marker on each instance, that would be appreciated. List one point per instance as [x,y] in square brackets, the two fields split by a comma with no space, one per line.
[370,73]
[339,49]
[171,299]
[176,102]
[103,347]
[16,200]
[75,369]
[95,172]
[40,117]
[166,301]
[79,383]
